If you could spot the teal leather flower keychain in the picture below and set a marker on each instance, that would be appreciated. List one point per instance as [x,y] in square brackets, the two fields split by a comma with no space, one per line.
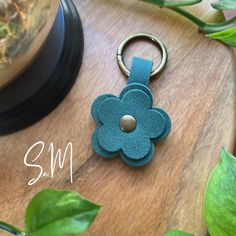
[129,125]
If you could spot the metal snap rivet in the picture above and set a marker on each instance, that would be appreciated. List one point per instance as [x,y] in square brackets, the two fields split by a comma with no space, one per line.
[127,123]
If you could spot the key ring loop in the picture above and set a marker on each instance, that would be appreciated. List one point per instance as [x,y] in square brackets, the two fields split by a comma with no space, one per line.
[157,42]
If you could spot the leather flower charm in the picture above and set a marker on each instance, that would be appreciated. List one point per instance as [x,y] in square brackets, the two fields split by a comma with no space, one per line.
[129,125]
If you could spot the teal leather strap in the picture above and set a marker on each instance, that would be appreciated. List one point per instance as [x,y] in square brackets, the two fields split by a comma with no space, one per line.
[140,71]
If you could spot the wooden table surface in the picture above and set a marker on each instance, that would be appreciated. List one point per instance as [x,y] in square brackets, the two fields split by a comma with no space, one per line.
[197,89]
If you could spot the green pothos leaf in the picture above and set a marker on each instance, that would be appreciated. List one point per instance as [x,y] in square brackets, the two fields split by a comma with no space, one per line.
[54,213]
[177,233]
[227,36]
[220,198]
[225,5]
[171,3]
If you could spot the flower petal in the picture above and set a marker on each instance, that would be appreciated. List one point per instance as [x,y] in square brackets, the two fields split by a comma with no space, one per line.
[152,122]
[96,104]
[141,162]
[142,87]
[98,149]
[135,146]
[136,99]
[168,125]
[110,138]
[110,110]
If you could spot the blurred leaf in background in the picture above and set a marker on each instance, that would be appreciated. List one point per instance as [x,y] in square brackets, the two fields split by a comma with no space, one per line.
[177,233]
[220,198]
[225,5]
[213,30]
[55,213]
[227,36]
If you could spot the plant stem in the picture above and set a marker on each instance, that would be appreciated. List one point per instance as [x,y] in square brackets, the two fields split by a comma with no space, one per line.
[187,14]
[10,229]
[171,3]
[204,26]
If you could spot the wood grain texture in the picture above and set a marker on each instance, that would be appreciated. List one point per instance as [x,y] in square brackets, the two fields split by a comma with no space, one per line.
[229,14]
[197,89]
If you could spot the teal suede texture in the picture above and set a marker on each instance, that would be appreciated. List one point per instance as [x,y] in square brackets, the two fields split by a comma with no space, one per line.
[136,148]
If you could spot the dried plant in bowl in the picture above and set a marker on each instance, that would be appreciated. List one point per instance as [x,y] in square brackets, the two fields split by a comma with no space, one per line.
[24,26]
